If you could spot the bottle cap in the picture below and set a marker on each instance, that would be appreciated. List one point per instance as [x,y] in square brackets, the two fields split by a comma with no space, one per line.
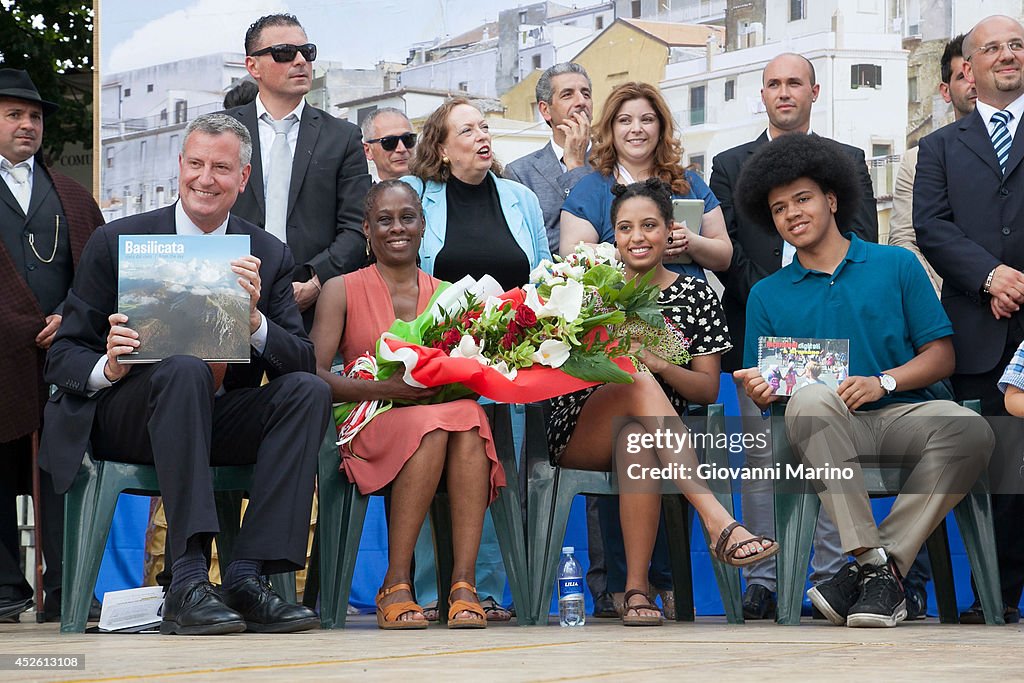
[568,550]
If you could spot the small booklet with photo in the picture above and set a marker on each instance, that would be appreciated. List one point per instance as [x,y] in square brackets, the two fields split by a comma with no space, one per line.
[791,363]
[182,297]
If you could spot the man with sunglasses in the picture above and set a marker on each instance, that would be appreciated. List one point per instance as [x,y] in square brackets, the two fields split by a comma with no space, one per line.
[388,141]
[309,174]
[969,218]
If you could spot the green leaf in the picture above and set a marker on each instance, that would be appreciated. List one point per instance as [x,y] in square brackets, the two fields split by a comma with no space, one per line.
[592,367]
[601,276]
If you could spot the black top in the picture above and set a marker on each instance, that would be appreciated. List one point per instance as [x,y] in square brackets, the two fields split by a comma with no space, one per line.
[478,240]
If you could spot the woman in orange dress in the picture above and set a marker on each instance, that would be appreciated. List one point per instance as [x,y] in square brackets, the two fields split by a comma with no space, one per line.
[410,447]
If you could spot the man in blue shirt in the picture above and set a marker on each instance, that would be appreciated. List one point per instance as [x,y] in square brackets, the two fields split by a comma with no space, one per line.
[880,299]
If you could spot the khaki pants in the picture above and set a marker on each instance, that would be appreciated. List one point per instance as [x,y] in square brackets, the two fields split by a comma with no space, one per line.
[945,445]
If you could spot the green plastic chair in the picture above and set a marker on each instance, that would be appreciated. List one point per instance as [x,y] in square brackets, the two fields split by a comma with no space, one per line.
[343,511]
[796,514]
[551,491]
[89,511]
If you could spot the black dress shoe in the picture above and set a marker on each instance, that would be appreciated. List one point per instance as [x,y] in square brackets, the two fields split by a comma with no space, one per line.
[604,606]
[264,611]
[758,603]
[197,610]
[975,615]
[9,609]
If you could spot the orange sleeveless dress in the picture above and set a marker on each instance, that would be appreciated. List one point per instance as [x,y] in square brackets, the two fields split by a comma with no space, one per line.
[389,440]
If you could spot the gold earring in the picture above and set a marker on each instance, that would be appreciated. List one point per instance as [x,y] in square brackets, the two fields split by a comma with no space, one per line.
[445,160]
[367,248]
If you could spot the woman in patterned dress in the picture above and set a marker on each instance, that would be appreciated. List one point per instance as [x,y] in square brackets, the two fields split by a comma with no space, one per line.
[682,363]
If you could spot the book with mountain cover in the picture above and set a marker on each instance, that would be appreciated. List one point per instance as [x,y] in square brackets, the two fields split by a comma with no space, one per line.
[182,297]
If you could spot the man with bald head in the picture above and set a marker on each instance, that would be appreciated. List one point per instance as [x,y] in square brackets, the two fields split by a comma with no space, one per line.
[788,91]
[969,217]
[388,142]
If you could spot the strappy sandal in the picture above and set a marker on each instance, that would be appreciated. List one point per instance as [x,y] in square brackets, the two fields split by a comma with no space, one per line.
[728,555]
[494,611]
[388,615]
[638,619]
[477,621]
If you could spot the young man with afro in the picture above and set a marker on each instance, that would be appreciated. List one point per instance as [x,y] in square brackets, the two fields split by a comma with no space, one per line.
[880,299]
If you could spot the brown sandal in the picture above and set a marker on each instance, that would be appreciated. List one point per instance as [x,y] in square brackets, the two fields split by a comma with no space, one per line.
[478,621]
[728,555]
[388,615]
[639,619]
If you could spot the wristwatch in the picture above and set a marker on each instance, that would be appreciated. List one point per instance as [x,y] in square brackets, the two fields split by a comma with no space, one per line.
[888,382]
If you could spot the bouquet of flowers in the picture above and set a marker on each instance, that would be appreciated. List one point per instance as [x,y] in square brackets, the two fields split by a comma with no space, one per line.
[553,336]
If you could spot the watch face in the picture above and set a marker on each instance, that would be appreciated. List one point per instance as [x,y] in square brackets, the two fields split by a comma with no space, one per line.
[888,383]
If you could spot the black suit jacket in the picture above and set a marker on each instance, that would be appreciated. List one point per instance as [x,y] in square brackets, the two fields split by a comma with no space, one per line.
[969,218]
[81,339]
[329,183]
[757,248]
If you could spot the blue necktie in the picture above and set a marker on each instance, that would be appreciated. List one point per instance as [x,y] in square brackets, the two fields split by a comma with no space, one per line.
[1001,139]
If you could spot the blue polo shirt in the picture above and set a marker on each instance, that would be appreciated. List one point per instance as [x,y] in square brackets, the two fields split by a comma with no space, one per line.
[879,298]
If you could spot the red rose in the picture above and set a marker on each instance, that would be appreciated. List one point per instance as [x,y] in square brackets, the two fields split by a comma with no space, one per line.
[471,315]
[509,340]
[450,340]
[525,317]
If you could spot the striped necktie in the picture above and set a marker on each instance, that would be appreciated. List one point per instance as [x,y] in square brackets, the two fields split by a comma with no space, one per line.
[1001,139]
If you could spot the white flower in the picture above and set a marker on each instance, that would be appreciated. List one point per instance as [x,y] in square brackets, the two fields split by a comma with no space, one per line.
[552,353]
[502,367]
[541,272]
[566,301]
[492,303]
[568,271]
[453,299]
[468,348]
[606,252]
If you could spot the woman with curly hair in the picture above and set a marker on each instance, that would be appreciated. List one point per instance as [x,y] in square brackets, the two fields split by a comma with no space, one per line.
[635,139]
[592,429]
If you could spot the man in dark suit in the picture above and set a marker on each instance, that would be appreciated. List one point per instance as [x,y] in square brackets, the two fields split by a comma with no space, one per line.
[177,415]
[969,218]
[563,98]
[45,220]
[316,205]
[788,92]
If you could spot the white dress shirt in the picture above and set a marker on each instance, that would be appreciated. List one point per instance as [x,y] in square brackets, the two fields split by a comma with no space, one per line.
[266,132]
[12,184]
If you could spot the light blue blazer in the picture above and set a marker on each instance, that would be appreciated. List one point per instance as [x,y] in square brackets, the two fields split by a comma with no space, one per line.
[518,203]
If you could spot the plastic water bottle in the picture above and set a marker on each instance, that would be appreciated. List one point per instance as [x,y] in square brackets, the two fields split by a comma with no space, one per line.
[571,609]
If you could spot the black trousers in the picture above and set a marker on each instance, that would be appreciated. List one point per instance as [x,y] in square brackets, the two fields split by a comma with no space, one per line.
[16,480]
[1007,509]
[166,414]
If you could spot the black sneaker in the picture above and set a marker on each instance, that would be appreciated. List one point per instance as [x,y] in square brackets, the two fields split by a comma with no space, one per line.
[917,602]
[834,597]
[882,603]
[758,603]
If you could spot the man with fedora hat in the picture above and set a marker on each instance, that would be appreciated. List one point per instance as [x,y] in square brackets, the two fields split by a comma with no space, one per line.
[45,220]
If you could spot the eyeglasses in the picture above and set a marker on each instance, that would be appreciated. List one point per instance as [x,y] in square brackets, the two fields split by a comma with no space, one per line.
[390,142]
[992,49]
[286,53]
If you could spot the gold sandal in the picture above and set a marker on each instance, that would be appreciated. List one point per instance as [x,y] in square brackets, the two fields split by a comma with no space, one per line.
[478,621]
[388,615]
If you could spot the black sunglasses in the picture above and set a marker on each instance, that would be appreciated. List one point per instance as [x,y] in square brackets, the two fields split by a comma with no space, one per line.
[286,53]
[390,142]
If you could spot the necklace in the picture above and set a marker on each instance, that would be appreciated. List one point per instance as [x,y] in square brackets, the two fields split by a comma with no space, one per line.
[32,243]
